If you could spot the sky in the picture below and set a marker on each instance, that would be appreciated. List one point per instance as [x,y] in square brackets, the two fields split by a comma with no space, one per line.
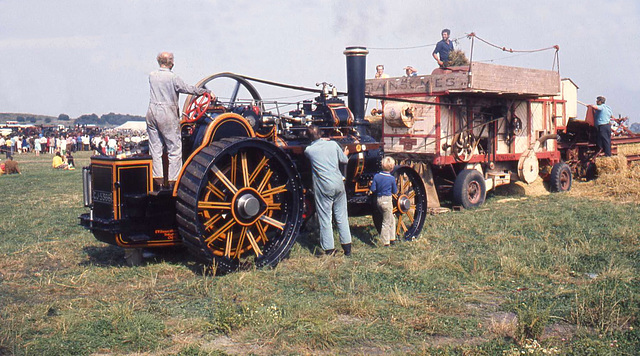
[83,57]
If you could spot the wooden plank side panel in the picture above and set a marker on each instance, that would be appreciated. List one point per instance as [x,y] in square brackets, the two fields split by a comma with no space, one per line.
[424,84]
[417,144]
[522,141]
[506,79]
[413,139]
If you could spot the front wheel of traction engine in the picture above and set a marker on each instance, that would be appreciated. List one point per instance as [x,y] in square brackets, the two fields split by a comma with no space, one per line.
[240,203]
[409,205]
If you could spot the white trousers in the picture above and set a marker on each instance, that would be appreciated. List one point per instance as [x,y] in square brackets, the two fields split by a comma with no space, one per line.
[163,128]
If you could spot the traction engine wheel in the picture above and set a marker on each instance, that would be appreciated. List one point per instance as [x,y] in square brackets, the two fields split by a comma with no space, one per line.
[240,199]
[469,189]
[561,177]
[409,204]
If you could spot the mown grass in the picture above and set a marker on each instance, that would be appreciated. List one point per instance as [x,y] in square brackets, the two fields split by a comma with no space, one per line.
[560,268]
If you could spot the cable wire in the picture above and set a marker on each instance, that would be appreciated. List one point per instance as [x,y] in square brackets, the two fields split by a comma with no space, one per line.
[511,50]
[410,47]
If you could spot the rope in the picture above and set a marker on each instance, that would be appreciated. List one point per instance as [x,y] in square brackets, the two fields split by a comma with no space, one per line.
[511,50]
[288,86]
[412,47]
[282,85]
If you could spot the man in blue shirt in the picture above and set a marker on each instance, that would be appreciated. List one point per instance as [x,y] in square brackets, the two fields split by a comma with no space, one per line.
[328,190]
[443,48]
[603,115]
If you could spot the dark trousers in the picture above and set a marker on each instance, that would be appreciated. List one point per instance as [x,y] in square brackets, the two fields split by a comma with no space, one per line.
[604,138]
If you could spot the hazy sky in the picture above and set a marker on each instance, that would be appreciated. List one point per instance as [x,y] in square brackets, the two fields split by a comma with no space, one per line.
[83,57]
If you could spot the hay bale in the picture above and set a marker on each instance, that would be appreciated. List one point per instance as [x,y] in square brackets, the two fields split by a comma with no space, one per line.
[634,171]
[375,126]
[618,180]
[522,189]
[608,165]
[629,149]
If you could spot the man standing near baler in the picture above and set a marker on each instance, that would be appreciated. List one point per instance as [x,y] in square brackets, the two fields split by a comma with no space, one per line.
[603,115]
[163,118]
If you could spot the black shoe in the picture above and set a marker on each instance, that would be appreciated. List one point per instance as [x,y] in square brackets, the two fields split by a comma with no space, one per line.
[330,252]
[392,242]
[347,249]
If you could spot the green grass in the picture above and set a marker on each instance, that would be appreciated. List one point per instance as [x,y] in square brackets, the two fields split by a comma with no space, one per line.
[564,261]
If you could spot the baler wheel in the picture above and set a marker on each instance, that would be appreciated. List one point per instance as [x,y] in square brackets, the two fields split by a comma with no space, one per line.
[409,204]
[469,189]
[560,178]
[240,203]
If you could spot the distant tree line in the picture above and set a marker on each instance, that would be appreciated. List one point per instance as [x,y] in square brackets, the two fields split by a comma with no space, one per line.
[23,119]
[106,119]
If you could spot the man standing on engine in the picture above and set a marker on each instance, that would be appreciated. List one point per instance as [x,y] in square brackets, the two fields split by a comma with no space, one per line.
[163,118]
[328,190]
[443,48]
[602,121]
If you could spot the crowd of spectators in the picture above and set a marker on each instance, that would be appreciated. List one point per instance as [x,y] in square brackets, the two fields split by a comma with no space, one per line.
[74,139]
[63,142]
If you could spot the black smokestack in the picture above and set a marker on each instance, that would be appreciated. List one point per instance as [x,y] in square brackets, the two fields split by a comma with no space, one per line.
[356,73]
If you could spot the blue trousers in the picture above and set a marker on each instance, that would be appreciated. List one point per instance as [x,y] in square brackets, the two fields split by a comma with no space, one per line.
[604,138]
[332,202]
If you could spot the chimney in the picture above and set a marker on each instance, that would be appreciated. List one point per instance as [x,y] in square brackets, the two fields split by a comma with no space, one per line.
[356,73]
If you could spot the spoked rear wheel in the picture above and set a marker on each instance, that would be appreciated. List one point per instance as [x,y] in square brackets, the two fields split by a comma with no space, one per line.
[409,204]
[239,204]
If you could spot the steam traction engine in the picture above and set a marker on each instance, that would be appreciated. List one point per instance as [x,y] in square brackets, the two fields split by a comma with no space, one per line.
[245,187]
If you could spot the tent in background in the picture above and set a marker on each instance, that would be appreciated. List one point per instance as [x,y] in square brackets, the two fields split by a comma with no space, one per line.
[133,125]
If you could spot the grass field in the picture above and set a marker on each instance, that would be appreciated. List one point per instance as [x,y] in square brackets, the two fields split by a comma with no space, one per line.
[543,274]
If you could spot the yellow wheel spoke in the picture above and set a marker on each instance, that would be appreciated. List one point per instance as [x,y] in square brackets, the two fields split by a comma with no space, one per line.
[404,227]
[224,179]
[220,231]
[265,180]
[209,223]
[273,191]
[234,169]
[227,246]
[395,210]
[245,169]
[261,231]
[406,185]
[394,196]
[411,195]
[398,225]
[215,191]
[243,234]
[261,165]
[273,222]
[254,244]
[410,216]
[214,205]
[273,206]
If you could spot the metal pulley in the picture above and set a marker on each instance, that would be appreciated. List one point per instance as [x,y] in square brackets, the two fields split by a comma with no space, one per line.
[528,168]
[464,146]
[399,115]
